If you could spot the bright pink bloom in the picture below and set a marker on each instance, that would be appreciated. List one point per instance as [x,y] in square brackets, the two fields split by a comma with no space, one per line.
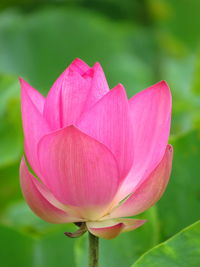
[98,156]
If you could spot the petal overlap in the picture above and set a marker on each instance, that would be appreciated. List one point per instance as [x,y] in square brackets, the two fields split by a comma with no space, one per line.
[108,121]
[111,228]
[34,125]
[76,90]
[78,170]
[151,116]
[149,192]
[96,157]
[37,201]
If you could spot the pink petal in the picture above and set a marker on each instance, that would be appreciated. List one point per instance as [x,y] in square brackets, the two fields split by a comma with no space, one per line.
[111,228]
[150,191]
[73,98]
[33,94]
[34,124]
[43,190]
[79,66]
[37,202]
[108,121]
[99,86]
[151,115]
[78,170]
[77,89]
[131,224]
[107,230]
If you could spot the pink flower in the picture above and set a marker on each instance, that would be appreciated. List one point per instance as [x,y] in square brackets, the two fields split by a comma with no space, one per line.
[98,156]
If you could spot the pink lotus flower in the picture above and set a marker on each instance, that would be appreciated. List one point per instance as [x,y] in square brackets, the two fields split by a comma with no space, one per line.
[98,156]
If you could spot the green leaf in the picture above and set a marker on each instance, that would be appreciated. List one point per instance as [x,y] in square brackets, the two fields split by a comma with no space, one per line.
[183,250]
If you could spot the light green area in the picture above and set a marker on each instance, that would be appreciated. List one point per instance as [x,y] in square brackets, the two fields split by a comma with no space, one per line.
[183,250]
[51,250]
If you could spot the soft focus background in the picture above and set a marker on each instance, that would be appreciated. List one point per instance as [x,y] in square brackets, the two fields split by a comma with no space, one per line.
[138,43]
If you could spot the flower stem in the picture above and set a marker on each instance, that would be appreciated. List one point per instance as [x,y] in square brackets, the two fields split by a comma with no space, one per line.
[93,250]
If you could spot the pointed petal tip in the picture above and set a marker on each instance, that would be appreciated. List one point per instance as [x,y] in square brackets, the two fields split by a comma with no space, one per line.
[95,70]
[170,148]
[119,89]
[20,79]
[23,162]
[165,86]
[141,222]
[161,85]
[132,224]
[78,59]
[23,83]
[119,86]
[162,82]
[97,66]
[78,65]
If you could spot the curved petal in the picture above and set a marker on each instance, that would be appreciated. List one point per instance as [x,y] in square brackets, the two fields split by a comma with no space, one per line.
[132,224]
[108,121]
[149,192]
[34,95]
[38,203]
[98,87]
[34,125]
[79,66]
[45,192]
[53,111]
[151,116]
[78,170]
[77,89]
[111,228]
[73,97]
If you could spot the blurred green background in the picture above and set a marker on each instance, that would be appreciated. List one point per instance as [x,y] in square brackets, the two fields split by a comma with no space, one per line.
[138,43]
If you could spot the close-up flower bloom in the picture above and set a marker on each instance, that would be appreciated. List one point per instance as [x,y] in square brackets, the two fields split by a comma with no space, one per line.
[91,154]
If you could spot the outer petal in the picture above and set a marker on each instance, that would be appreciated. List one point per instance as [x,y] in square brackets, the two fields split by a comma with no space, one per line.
[150,191]
[111,228]
[108,121]
[78,87]
[78,170]
[38,203]
[151,115]
[51,199]
[34,124]
[34,95]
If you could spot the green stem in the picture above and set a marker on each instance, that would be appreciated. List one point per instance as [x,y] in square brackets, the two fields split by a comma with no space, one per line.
[93,250]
